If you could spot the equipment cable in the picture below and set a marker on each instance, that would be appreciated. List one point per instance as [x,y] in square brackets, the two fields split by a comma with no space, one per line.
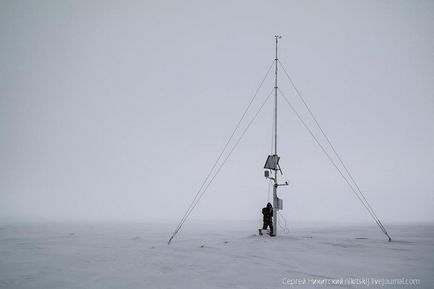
[283,226]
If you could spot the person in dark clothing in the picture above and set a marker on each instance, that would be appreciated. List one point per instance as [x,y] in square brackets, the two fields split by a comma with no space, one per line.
[268,218]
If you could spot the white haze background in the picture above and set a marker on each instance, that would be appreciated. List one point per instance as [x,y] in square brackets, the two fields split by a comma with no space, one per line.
[116,110]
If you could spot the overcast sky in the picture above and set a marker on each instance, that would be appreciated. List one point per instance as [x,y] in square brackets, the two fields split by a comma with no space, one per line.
[116,110]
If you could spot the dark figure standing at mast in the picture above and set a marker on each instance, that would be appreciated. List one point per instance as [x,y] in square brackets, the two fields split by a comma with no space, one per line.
[267,212]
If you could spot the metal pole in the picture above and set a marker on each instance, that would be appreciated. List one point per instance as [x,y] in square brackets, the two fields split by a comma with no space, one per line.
[275,210]
[275,100]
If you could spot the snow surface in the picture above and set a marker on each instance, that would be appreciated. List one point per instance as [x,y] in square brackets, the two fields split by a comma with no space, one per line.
[209,255]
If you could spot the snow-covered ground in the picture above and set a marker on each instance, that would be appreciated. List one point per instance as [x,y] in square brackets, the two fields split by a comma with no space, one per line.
[212,255]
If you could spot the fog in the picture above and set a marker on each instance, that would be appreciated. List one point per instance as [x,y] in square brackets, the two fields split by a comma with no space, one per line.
[116,110]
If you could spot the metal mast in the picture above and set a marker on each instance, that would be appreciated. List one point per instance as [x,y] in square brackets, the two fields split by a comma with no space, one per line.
[275,199]
[275,98]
